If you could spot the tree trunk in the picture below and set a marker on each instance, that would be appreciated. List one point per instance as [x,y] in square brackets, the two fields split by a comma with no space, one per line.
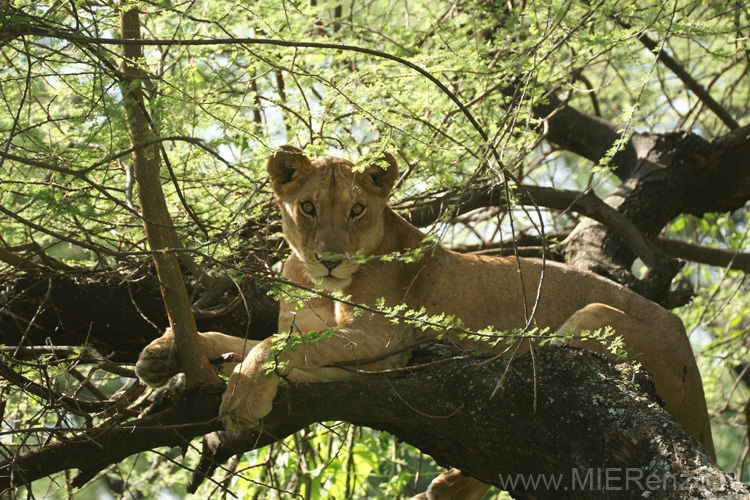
[663,176]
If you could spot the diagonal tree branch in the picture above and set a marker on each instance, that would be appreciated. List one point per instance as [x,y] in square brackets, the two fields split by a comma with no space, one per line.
[588,136]
[157,221]
[663,176]
[689,81]
[585,203]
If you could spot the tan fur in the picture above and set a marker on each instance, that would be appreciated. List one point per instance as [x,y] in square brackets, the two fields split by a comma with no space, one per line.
[333,216]
[452,485]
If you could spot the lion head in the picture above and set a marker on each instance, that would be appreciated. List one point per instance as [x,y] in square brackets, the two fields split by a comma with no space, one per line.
[332,211]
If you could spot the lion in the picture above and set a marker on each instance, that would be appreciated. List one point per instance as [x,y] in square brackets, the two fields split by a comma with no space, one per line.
[343,237]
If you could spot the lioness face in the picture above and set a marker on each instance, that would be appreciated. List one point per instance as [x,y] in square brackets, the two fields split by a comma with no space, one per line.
[332,215]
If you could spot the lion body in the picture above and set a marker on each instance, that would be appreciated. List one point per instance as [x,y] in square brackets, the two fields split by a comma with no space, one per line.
[340,230]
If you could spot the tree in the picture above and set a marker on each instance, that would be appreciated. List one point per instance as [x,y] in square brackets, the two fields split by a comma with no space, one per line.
[611,135]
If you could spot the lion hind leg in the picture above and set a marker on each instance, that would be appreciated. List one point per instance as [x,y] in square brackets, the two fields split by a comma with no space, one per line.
[453,485]
[658,340]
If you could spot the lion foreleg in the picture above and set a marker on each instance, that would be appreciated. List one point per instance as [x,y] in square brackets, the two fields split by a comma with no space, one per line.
[159,360]
[253,384]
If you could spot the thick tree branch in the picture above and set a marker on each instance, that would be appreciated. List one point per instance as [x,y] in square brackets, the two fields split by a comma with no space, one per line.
[663,176]
[159,228]
[720,257]
[710,176]
[717,172]
[586,135]
[567,414]
[37,308]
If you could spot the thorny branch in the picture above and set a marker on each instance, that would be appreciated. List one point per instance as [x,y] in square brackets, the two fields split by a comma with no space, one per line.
[689,81]
[561,128]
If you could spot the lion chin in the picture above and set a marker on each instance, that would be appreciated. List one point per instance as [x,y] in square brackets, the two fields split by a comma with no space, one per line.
[332,283]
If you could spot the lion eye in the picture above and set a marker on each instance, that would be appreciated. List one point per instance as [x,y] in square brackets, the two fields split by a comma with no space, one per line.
[308,207]
[357,210]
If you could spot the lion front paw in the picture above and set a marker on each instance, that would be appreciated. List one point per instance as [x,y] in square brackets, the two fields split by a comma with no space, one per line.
[158,362]
[246,401]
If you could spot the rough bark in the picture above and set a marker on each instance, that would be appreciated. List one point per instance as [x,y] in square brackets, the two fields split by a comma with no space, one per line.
[118,313]
[567,415]
[663,176]
[546,421]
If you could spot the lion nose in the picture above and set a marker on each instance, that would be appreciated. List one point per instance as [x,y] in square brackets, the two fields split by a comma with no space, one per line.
[329,263]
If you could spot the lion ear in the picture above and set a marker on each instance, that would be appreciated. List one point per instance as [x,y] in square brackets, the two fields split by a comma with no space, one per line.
[286,165]
[383,173]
